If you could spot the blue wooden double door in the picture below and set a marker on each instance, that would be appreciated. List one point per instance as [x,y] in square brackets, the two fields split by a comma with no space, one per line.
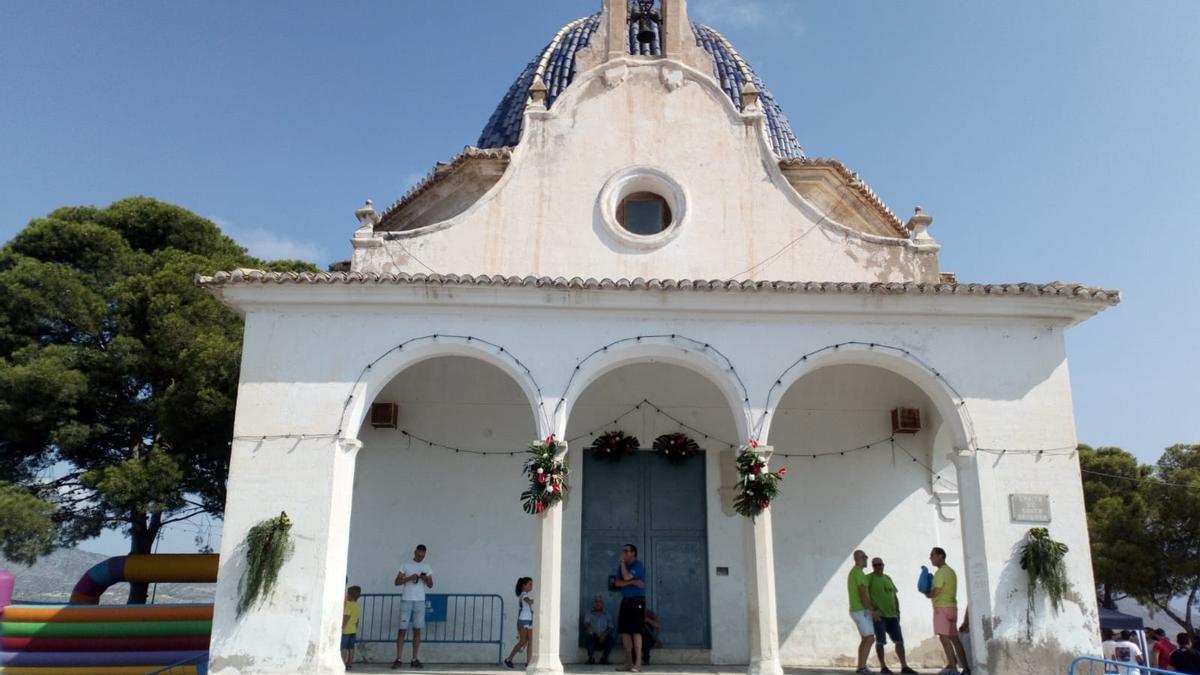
[659,506]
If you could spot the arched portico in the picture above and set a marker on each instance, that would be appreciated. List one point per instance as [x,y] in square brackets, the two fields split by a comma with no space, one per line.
[447,477]
[391,364]
[657,350]
[836,406]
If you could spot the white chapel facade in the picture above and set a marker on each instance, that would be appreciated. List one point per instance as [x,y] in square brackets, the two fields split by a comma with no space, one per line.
[637,242]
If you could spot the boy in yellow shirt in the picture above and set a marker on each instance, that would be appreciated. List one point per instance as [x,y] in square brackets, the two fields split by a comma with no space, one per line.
[944,594]
[351,613]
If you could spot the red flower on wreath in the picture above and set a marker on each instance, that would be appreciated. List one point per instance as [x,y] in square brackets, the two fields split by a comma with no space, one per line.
[782,472]
[753,443]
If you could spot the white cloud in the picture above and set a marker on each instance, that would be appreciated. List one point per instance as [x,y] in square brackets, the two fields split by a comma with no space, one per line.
[268,245]
[747,14]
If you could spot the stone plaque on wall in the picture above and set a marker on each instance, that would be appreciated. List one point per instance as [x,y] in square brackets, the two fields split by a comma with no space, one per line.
[1029,508]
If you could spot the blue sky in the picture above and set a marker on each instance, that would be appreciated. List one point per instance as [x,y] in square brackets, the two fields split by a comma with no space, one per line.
[1049,140]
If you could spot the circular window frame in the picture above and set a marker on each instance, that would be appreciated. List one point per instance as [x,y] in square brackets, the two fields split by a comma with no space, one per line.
[632,180]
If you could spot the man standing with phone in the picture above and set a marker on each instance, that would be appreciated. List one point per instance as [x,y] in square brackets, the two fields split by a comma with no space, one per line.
[631,580]
[415,576]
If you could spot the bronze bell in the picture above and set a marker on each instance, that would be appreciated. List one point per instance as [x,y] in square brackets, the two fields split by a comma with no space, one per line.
[646,32]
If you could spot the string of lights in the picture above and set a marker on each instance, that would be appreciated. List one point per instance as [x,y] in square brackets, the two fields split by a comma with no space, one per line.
[703,347]
[435,337]
[1143,479]
[960,402]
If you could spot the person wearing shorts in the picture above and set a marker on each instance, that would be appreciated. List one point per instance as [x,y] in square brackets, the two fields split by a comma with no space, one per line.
[631,619]
[351,612]
[415,576]
[885,599]
[862,611]
[944,594]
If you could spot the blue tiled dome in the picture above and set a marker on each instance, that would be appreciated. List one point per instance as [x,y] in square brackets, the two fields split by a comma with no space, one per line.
[504,126]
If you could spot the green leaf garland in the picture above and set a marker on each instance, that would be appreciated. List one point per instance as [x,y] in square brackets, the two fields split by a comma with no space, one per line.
[1043,559]
[547,476]
[676,447]
[614,445]
[267,545]
[756,486]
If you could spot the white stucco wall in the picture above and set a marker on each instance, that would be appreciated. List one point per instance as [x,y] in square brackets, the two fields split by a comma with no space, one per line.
[544,216]
[877,499]
[1010,371]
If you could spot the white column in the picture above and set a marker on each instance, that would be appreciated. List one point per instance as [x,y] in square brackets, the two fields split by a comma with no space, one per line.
[975,566]
[548,580]
[760,593]
[296,629]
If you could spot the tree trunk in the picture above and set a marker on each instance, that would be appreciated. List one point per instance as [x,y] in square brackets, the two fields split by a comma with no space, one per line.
[142,533]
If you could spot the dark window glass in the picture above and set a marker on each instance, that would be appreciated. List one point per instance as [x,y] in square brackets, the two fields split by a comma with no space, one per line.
[644,213]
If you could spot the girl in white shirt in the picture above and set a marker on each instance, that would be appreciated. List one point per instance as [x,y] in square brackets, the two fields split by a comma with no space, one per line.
[524,592]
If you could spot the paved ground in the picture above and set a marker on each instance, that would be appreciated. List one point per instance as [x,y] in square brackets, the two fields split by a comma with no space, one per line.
[575,669]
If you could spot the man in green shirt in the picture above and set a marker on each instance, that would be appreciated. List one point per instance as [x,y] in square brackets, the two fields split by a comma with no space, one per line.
[944,594]
[884,597]
[862,610]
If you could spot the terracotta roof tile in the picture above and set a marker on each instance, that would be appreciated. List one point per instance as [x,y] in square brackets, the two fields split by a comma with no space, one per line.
[1056,288]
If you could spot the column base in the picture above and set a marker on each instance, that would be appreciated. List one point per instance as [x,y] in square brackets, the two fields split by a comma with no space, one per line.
[766,667]
[555,668]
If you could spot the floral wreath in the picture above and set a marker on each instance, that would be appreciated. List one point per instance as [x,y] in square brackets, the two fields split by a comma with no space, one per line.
[613,445]
[756,486]
[676,447]
[547,475]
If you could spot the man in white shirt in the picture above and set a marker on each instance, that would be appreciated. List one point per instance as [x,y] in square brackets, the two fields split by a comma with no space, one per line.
[1126,650]
[414,576]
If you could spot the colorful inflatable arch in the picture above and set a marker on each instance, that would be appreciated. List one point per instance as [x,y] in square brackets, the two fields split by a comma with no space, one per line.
[86,638]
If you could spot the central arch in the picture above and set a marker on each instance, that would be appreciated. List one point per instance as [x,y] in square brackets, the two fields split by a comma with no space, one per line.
[611,358]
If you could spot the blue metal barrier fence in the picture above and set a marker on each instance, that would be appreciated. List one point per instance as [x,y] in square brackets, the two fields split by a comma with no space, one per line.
[1092,665]
[450,618]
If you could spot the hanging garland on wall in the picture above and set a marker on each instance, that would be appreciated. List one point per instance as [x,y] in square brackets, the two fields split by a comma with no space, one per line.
[756,485]
[547,475]
[1043,559]
[676,448]
[267,544]
[613,445]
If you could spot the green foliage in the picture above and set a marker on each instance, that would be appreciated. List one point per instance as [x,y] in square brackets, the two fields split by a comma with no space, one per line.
[267,545]
[676,447]
[117,366]
[756,487]
[1144,523]
[1044,560]
[613,445]
[27,527]
[1117,513]
[547,476]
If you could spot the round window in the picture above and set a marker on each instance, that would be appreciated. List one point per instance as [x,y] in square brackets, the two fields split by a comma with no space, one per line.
[643,207]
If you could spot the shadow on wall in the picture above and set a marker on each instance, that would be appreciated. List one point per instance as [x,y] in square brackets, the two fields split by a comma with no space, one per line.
[877,499]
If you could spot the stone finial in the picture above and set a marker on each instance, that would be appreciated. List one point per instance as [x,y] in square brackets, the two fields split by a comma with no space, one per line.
[750,97]
[367,215]
[537,93]
[919,224]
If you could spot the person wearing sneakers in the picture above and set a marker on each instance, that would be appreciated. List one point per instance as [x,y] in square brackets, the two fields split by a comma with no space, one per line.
[415,576]
[862,611]
[885,599]
[944,594]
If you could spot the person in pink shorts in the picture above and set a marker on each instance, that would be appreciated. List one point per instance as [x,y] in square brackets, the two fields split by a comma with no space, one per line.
[944,594]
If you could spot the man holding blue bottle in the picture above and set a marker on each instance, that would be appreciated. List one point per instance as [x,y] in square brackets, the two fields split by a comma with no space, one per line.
[631,581]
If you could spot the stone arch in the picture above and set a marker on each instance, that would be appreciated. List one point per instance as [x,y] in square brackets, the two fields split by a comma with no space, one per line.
[612,358]
[391,365]
[949,405]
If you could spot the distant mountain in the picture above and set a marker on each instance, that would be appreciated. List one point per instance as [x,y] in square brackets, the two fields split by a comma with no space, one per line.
[52,578]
